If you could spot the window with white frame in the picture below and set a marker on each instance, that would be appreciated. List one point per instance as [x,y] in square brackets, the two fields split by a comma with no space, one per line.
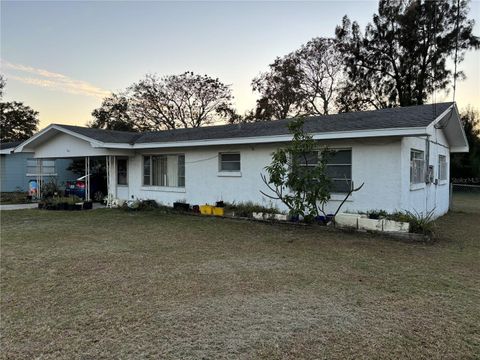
[164,170]
[229,162]
[40,167]
[122,172]
[442,167]
[417,166]
[338,168]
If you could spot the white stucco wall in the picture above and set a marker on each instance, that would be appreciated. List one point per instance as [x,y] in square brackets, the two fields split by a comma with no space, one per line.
[377,163]
[383,164]
[426,197]
[67,146]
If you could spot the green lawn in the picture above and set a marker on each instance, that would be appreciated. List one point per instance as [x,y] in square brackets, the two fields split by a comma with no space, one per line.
[113,284]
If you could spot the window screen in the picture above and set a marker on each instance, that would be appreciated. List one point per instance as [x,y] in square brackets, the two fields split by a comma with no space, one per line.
[417,167]
[230,162]
[442,167]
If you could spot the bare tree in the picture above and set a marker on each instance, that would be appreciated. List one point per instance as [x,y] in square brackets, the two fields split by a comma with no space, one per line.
[321,74]
[174,101]
[304,82]
[2,85]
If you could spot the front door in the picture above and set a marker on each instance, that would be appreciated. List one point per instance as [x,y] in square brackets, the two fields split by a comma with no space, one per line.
[122,178]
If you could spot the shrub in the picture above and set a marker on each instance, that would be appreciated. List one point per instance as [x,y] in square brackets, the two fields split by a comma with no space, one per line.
[140,205]
[16,197]
[245,209]
[64,200]
[419,223]
[148,205]
[50,189]
[377,214]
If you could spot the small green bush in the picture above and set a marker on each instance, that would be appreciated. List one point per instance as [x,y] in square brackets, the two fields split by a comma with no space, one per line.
[245,209]
[148,205]
[377,214]
[64,200]
[50,189]
[419,223]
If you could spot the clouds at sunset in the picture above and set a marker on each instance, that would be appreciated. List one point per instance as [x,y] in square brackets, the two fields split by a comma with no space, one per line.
[51,80]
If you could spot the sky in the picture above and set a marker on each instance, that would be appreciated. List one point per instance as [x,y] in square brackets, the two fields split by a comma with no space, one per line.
[62,58]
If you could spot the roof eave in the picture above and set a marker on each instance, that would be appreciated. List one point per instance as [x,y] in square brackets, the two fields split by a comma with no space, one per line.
[459,143]
[395,132]
[6,151]
[21,147]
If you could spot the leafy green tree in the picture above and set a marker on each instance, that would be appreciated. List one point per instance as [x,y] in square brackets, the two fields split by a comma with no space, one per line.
[403,56]
[114,114]
[467,165]
[17,121]
[279,90]
[297,175]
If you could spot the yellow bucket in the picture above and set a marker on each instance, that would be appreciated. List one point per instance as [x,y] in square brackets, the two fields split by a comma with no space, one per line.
[218,211]
[206,209]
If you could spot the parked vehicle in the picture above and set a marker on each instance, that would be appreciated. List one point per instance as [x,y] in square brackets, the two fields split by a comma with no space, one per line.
[77,188]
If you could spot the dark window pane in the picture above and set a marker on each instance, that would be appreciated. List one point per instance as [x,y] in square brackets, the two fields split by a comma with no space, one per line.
[229,162]
[310,158]
[146,165]
[339,171]
[122,171]
[340,157]
[230,166]
[146,180]
[230,157]
[341,186]
[146,170]
[181,171]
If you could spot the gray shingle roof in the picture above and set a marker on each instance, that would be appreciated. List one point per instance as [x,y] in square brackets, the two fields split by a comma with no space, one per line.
[9,145]
[405,117]
[110,136]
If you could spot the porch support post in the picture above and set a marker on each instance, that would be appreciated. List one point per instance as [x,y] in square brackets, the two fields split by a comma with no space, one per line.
[108,163]
[87,178]
[38,171]
[111,189]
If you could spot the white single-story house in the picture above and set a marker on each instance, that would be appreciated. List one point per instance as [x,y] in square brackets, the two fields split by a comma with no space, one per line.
[402,156]
[17,170]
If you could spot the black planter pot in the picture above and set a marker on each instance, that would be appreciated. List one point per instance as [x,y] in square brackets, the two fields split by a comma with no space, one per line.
[294,218]
[87,205]
[78,207]
[71,207]
[181,206]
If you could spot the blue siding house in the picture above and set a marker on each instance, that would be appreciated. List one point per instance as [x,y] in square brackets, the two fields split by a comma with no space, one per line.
[17,169]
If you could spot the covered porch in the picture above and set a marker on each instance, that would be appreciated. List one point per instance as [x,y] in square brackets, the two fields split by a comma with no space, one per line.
[57,143]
